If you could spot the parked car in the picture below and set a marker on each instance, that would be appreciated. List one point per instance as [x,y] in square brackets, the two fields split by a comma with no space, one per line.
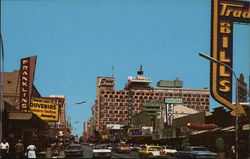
[101,151]
[150,151]
[123,148]
[195,152]
[74,150]
[91,144]
[169,150]
[136,148]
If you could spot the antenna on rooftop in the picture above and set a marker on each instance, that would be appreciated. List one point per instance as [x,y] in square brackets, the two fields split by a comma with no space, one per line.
[113,71]
[140,72]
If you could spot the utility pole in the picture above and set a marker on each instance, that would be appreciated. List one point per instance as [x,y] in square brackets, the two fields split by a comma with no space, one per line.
[1,75]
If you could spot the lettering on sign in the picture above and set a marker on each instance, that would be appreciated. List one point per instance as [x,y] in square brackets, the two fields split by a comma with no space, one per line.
[24,84]
[44,108]
[224,14]
[169,113]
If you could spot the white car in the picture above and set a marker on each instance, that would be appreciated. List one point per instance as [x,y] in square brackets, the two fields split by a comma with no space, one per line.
[101,151]
[169,150]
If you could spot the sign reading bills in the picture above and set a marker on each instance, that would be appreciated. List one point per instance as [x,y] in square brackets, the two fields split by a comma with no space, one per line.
[46,109]
[224,14]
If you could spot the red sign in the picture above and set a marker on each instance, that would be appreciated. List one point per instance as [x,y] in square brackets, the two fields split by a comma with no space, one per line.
[27,71]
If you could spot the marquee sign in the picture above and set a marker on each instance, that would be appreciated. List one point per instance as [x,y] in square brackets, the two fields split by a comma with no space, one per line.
[224,14]
[27,71]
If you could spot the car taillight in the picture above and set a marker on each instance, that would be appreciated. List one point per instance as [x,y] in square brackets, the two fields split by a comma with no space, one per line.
[162,153]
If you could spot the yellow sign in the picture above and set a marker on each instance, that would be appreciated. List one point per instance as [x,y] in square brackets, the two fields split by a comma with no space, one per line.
[46,109]
[224,14]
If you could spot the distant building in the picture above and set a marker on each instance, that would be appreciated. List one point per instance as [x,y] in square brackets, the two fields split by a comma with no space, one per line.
[242,89]
[118,106]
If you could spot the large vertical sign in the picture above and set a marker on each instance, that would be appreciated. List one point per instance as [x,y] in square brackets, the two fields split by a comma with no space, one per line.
[169,113]
[27,72]
[170,102]
[224,14]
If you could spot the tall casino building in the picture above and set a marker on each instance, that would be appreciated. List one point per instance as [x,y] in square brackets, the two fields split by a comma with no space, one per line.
[115,107]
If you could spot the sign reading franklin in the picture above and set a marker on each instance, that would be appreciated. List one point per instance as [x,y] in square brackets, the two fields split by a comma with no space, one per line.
[224,14]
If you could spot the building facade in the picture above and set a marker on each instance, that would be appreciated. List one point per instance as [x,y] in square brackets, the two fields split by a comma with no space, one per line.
[118,106]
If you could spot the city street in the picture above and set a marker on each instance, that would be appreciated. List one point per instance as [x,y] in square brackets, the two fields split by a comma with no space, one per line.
[125,79]
[88,153]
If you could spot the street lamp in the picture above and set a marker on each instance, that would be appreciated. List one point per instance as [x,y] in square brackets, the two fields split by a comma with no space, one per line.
[236,97]
[82,102]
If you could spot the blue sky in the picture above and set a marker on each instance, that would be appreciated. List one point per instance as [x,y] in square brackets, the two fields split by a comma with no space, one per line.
[77,40]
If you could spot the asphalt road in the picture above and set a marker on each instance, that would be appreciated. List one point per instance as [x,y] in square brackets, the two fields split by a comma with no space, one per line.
[88,153]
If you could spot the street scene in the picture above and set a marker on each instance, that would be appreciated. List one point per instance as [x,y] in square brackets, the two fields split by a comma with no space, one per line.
[137,79]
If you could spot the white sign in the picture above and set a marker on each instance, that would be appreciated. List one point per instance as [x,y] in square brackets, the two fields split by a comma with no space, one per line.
[169,113]
[114,126]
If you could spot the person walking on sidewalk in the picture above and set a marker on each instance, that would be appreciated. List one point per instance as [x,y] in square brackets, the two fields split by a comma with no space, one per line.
[19,149]
[4,146]
[31,151]
[49,151]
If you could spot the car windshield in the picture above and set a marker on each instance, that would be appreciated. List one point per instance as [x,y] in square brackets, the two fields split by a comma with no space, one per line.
[124,145]
[199,149]
[101,147]
[154,149]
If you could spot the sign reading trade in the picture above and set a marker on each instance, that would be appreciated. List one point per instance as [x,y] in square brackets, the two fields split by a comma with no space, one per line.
[46,109]
[224,14]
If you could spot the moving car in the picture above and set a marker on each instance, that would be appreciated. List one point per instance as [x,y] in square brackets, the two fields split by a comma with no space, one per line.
[75,150]
[169,150]
[101,151]
[150,151]
[195,152]
[123,147]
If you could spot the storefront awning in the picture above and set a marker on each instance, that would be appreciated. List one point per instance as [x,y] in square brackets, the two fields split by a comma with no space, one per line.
[20,115]
[26,120]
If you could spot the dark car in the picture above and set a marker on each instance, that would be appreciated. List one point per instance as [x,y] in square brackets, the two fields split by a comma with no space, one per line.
[75,150]
[195,152]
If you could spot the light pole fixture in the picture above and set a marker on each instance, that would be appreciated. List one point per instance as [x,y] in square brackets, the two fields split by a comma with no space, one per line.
[82,102]
[236,98]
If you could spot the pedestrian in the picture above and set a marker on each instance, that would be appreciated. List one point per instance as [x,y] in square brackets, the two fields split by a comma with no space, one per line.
[31,151]
[4,146]
[233,151]
[19,149]
[49,151]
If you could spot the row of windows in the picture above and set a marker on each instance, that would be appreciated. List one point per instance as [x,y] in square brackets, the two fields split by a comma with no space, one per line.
[125,93]
[198,107]
[114,119]
[140,102]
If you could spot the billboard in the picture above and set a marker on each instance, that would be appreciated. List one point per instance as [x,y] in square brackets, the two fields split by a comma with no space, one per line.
[224,14]
[46,109]
[147,130]
[135,132]
[27,72]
